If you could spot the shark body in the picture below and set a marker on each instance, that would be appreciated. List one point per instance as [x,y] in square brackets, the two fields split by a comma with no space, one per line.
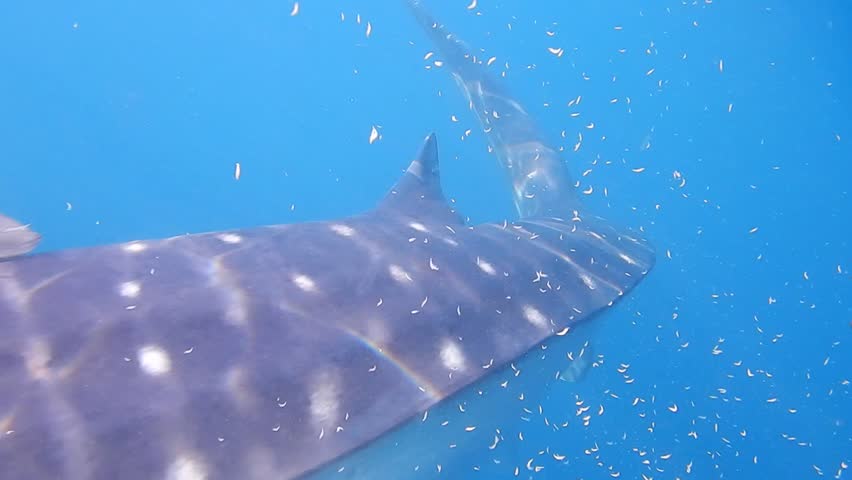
[270,352]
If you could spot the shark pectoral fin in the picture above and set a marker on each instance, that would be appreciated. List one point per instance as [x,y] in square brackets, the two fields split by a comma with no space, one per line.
[581,362]
[16,238]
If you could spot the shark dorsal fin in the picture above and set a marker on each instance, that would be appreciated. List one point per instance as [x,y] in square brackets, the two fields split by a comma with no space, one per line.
[418,194]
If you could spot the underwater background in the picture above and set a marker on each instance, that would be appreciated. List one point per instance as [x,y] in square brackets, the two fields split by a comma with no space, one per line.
[720,128]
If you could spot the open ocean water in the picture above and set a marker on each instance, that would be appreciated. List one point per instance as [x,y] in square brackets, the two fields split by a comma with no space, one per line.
[721,128]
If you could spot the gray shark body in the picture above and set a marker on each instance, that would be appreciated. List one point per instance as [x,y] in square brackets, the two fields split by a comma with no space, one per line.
[270,352]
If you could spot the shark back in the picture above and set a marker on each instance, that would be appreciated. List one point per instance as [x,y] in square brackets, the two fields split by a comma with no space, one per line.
[270,351]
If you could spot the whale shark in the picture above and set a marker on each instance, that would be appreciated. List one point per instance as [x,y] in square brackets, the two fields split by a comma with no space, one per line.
[304,350]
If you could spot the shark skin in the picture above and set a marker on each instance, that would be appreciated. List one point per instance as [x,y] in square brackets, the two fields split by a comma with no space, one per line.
[298,350]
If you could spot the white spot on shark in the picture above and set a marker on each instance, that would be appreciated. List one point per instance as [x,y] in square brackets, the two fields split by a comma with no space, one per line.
[418,226]
[134,247]
[452,356]
[231,238]
[325,401]
[304,282]
[236,382]
[627,258]
[37,357]
[534,316]
[185,467]
[398,274]
[485,266]
[129,289]
[588,281]
[153,360]
[342,230]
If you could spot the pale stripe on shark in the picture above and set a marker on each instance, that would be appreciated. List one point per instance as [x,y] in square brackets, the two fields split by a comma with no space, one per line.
[602,239]
[37,355]
[225,283]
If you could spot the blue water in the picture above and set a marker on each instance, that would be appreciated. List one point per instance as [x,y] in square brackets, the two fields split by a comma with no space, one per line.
[124,120]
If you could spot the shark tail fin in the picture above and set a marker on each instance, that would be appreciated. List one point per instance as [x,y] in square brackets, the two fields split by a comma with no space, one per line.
[541,184]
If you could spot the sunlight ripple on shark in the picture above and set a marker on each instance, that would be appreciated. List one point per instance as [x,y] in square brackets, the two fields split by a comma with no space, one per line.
[270,352]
